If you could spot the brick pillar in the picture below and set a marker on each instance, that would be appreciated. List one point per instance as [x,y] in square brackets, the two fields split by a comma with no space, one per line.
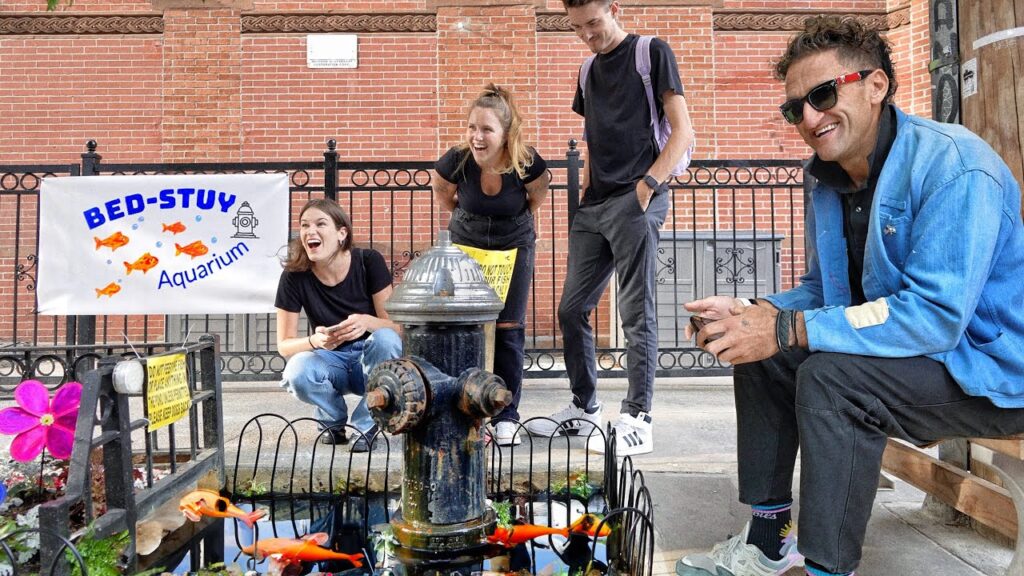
[202,110]
[479,44]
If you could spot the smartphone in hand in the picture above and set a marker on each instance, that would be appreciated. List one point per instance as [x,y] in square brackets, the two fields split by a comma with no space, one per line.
[698,323]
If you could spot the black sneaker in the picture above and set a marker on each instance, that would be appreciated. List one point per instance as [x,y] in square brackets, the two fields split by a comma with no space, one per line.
[333,436]
[362,443]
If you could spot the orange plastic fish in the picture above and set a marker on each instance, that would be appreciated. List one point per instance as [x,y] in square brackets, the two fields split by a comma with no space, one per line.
[513,536]
[145,263]
[109,290]
[293,551]
[199,503]
[176,228]
[114,241]
[194,249]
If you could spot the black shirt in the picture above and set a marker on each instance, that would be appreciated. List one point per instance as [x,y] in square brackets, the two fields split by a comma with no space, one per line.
[620,139]
[509,201]
[857,203]
[328,305]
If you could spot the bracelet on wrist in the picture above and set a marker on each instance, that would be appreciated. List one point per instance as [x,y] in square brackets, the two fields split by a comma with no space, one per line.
[310,339]
[783,321]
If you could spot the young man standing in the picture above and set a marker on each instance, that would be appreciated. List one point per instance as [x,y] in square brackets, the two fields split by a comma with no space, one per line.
[624,204]
[908,323]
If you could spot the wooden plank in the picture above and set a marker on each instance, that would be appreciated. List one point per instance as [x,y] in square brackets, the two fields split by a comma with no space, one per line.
[1010,446]
[982,500]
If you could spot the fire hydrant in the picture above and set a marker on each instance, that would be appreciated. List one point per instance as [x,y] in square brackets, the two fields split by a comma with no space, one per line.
[437,396]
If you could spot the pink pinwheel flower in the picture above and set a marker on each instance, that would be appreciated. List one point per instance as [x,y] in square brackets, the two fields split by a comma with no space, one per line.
[39,422]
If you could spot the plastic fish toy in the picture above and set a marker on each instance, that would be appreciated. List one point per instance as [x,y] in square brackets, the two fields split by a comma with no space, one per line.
[176,228]
[145,263]
[114,241]
[194,249]
[109,290]
[513,536]
[199,503]
[294,551]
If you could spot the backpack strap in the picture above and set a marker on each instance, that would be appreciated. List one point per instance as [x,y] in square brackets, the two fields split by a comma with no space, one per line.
[643,67]
[584,74]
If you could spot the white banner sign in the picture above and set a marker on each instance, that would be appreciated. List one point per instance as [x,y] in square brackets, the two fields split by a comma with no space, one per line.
[182,244]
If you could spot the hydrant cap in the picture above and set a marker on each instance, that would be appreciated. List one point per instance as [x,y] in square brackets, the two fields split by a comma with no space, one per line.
[444,285]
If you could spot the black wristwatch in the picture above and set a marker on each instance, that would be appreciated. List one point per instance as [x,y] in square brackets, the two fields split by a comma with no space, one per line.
[651,182]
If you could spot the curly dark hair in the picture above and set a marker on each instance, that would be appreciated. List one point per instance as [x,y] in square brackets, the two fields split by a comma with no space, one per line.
[854,42]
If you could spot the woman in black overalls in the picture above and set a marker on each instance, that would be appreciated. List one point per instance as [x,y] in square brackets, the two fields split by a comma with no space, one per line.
[493,183]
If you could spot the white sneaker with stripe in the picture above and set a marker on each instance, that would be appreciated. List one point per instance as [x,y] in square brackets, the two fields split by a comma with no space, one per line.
[633,435]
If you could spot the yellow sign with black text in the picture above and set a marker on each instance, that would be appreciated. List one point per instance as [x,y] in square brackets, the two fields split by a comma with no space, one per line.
[167,394]
[497,266]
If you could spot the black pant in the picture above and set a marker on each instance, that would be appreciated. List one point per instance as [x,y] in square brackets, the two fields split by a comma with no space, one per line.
[839,409]
[505,233]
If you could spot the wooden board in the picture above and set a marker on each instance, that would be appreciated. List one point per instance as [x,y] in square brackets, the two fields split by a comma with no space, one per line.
[980,499]
[1009,446]
[996,111]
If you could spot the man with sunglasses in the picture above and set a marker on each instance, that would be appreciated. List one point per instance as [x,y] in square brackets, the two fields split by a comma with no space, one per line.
[908,323]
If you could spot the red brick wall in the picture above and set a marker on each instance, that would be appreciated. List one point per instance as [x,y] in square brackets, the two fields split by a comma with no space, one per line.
[204,91]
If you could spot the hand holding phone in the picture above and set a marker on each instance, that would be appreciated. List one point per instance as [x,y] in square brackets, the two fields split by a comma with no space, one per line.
[698,323]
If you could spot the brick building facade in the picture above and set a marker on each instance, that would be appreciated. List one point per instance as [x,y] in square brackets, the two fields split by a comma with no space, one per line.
[226,80]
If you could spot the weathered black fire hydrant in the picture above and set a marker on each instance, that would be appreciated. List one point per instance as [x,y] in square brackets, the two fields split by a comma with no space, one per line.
[437,395]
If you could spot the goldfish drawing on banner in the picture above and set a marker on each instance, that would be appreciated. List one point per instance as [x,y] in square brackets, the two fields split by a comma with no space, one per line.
[199,503]
[512,536]
[114,241]
[145,263]
[109,290]
[286,551]
[194,249]
[176,228]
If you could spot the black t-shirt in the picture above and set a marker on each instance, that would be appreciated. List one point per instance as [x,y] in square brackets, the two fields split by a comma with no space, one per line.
[328,305]
[620,139]
[509,201]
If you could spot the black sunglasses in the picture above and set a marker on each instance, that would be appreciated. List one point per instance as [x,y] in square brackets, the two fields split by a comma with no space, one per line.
[821,97]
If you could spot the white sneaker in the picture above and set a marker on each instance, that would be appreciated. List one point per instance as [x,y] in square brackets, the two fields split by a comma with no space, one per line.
[577,422]
[735,557]
[506,433]
[632,436]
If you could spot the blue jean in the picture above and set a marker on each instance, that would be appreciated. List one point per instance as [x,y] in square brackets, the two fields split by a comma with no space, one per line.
[323,377]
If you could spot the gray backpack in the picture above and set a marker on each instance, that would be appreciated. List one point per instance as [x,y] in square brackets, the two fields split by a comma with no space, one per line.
[662,127]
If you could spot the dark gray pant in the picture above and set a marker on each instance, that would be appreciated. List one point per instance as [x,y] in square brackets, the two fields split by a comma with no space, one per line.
[613,235]
[839,409]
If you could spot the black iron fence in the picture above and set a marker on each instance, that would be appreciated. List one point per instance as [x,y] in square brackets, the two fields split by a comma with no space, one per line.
[735,227]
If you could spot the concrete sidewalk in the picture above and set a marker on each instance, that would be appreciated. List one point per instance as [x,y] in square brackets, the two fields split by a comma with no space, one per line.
[692,478]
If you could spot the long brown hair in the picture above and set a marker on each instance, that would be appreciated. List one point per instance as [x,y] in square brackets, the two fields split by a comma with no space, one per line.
[499,100]
[297,260]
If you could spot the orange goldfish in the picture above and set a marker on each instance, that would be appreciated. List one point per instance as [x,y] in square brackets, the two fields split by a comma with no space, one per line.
[114,241]
[293,551]
[199,503]
[145,263]
[109,290]
[194,249]
[513,536]
[176,228]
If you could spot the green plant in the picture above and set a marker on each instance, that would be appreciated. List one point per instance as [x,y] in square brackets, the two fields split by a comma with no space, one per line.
[102,556]
[579,486]
[254,488]
[504,513]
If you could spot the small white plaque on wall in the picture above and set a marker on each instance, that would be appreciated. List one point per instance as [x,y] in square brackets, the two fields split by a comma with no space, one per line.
[332,51]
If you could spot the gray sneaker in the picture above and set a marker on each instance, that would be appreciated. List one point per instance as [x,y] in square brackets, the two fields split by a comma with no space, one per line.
[577,422]
[735,557]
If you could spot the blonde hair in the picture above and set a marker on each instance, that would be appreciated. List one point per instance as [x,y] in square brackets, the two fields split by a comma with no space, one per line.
[499,100]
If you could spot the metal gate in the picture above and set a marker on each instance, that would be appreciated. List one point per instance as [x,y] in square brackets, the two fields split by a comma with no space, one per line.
[735,227]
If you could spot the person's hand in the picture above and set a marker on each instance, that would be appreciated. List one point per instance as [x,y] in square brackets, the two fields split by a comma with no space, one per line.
[710,308]
[351,328]
[643,195]
[747,335]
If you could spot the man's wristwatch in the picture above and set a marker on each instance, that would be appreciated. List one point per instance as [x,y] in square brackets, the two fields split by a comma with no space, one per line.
[651,182]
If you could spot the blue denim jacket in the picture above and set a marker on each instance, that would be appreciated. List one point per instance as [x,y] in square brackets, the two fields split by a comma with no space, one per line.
[943,265]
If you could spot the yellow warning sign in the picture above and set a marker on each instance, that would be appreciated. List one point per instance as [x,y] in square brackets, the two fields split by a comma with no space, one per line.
[167,395]
[497,266]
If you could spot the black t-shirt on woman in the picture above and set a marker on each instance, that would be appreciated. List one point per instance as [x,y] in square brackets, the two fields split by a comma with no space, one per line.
[509,201]
[328,305]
